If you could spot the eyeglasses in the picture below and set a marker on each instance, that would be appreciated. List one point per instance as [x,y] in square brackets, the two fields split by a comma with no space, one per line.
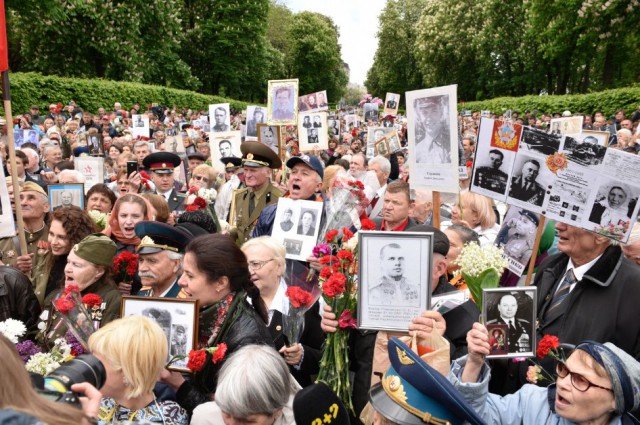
[124,182]
[203,178]
[257,265]
[578,381]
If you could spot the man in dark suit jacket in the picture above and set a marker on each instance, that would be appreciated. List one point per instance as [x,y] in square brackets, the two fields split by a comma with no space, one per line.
[524,187]
[161,165]
[508,307]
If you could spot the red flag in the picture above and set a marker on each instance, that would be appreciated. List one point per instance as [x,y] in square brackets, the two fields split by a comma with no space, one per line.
[4,47]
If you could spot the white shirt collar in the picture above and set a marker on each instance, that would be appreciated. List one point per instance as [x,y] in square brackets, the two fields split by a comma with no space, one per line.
[580,271]
[166,194]
[280,301]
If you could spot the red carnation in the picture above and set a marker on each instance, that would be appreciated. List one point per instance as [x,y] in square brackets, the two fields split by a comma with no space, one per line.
[198,204]
[347,234]
[343,254]
[194,189]
[331,234]
[325,272]
[145,175]
[92,300]
[346,320]
[298,296]
[328,259]
[71,288]
[546,344]
[367,224]
[219,353]
[64,305]
[59,105]
[335,285]
[196,360]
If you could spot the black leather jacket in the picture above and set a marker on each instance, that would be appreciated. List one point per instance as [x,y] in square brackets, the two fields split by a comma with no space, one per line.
[17,300]
[247,329]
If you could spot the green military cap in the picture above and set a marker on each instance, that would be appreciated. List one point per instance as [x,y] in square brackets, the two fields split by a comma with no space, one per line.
[256,154]
[97,249]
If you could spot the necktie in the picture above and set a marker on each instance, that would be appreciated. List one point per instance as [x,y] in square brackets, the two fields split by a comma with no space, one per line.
[252,202]
[512,328]
[563,291]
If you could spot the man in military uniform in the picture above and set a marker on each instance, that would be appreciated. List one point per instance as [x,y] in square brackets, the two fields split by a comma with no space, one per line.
[519,338]
[394,288]
[257,161]
[160,259]
[35,205]
[491,177]
[161,165]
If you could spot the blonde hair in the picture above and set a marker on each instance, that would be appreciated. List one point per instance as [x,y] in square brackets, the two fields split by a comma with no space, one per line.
[330,174]
[135,345]
[208,171]
[482,206]
[276,248]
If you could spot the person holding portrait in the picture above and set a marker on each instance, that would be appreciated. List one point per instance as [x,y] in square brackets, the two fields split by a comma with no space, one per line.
[519,339]
[216,272]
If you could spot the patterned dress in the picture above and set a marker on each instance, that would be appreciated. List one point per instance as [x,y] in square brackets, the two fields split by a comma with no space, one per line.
[164,412]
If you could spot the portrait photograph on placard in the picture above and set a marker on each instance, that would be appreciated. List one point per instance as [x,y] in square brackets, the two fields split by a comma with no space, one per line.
[370,112]
[25,136]
[140,126]
[539,141]
[92,168]
[95,144]
[178,319]
[282,104]
[296,226]
[433,138]
[313,102]
[394,278]
[510,317]
[333,124]
[66,195]
[220,120]
[394,141]
[382,147]
[614,205]
[391,104]
[350,122]
[270,136]
[517,237]
[255,115]
[224,145]
[174,144]
[312,131]
[530,182]
[567,125]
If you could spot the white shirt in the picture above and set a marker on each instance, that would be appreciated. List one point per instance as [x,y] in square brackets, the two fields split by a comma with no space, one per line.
[580,271]
[166,194]
[280,301]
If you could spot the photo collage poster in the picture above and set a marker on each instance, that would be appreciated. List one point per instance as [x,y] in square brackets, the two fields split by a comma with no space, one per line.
[374,136]
[312,131]
[433,138]
[313,102]
[296,227]
[565,178]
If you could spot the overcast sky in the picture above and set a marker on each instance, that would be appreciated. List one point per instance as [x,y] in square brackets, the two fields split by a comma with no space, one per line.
[358,24]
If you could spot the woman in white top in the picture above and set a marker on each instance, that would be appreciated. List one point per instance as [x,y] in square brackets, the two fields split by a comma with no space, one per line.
[476,212]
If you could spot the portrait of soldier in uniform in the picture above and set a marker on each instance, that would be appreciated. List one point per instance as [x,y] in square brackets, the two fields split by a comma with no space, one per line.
[491,177]
[394,288]
[433,145]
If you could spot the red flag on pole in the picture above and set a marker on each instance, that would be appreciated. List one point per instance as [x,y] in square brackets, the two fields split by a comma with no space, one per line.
[4,47]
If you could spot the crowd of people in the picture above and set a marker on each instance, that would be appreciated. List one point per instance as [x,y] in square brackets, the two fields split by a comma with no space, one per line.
[207,236]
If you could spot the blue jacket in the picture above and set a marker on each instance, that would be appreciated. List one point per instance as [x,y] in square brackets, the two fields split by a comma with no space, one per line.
[531,405]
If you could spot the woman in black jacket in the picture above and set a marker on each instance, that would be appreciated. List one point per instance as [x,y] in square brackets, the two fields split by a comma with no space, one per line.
[215,272]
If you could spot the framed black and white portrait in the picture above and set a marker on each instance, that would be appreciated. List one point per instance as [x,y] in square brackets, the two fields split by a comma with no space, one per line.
[530,183]
[391,104]
[510,317]
[270,136]
[255,115]
[178,318]
[312,131]
[220,121]
[394,278]
[95,145]
[66,195]
[370,111]
[297,226]
[382,147]
[282,104]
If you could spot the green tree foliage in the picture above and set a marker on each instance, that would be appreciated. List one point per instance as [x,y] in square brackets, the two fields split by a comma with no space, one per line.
[86,38]
[313,55]
[353,94]
[395,66]
[508,47]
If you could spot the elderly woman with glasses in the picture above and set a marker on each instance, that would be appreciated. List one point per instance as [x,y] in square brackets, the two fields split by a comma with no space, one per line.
[267,266]
[203,177]
[597,384]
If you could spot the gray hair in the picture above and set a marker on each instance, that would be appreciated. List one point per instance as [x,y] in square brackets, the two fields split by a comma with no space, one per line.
[31,153]
[384,163]
[267,242]
[140,144]
[254,380]
[75,175]
[47,147]
[176,256]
